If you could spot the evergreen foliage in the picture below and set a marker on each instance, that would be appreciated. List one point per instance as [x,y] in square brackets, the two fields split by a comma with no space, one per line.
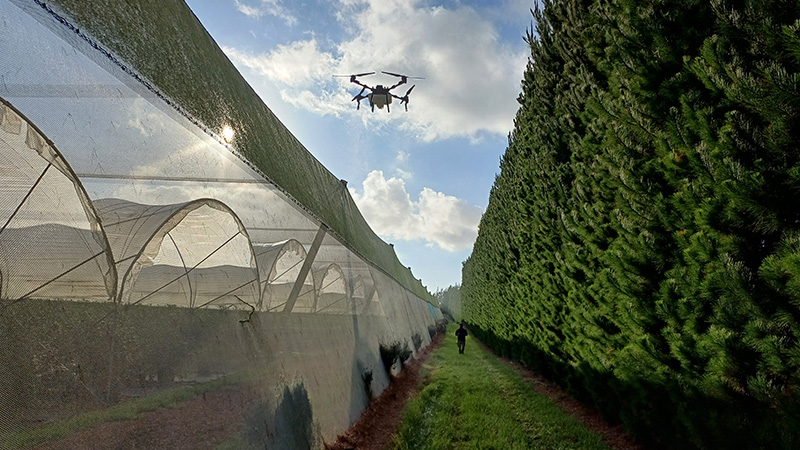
[641,245]
[449,301]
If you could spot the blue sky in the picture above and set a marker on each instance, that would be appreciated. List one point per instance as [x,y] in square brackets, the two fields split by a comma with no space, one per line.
[421,178]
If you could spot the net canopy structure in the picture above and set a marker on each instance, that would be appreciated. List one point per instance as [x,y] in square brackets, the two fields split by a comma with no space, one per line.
[281,264]
[148,266]
[191,254]
[145,36]
[44,210]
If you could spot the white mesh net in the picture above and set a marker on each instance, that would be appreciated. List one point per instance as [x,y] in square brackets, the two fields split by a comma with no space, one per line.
[146,268]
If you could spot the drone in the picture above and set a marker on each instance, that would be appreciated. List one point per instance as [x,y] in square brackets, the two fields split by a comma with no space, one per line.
[380,95]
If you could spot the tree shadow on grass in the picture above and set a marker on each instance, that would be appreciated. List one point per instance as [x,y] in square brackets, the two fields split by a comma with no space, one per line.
[666,414]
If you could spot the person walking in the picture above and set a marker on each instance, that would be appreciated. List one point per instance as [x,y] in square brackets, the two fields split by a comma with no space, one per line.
[461,335]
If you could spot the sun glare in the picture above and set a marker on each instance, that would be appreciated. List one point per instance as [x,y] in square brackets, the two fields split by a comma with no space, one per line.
[227,133]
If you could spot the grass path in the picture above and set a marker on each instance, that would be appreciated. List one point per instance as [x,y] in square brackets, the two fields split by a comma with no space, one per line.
[475,401]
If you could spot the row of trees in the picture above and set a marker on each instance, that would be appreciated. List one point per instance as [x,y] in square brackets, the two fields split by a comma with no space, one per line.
[449,300]
[642,242]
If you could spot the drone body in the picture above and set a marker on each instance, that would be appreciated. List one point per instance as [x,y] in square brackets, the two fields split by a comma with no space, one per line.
[380,95]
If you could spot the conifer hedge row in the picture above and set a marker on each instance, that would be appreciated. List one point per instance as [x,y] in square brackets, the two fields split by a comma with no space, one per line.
[641,245]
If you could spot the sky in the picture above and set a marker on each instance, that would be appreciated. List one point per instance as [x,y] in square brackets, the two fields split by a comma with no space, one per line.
[420,178]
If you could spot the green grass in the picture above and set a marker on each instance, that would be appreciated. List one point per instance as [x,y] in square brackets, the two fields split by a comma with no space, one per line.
[131,409]
[475,401]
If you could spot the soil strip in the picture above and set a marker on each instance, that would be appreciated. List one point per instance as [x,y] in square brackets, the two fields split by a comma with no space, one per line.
[382,418]
[200,423]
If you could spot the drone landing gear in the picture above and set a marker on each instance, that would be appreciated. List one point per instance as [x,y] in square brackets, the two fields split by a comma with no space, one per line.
[359,97]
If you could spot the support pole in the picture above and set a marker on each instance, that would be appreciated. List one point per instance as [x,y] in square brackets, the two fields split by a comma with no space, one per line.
[301,278]
[368,300]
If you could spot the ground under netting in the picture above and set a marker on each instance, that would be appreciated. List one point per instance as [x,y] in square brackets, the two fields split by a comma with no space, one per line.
[154,279]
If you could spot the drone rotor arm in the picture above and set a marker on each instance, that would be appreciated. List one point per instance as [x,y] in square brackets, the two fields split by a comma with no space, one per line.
[402,82]
[361,84]
[359,96]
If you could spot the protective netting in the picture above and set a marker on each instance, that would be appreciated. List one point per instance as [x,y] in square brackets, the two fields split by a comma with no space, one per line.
[44,210]
[281,266]
[191,254]
[156,290]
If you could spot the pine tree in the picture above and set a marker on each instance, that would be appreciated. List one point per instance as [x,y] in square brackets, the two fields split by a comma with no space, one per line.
[641,241]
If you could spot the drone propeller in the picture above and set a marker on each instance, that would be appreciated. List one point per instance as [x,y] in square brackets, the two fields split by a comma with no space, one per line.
[404,99]
[404,77]
[353,77]
[356,75]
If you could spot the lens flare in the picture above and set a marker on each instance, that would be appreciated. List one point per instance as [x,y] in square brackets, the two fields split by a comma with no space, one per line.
[227,133]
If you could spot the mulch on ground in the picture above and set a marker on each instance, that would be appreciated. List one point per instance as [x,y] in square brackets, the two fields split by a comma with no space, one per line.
[382,418]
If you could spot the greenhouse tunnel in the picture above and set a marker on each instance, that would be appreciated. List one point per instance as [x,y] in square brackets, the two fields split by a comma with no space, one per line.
[280,265]
[146,257]
[361,292]
[192,254]
[44,210]
[359,285]
[332,295]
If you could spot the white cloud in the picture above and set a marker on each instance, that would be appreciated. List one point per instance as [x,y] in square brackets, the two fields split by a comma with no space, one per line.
[403,173]
[249,11]
[452,223]
[297,65]
[322,103]
[472,78]
[266,7]
[142,118]
[439,219]
[402,157]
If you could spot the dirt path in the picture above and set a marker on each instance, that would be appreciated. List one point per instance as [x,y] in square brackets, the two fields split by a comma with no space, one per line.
[381,420]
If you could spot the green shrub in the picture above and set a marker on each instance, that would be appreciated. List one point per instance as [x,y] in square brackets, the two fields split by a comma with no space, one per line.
[439,327]
[394,352]
[366,377]
[416,339]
